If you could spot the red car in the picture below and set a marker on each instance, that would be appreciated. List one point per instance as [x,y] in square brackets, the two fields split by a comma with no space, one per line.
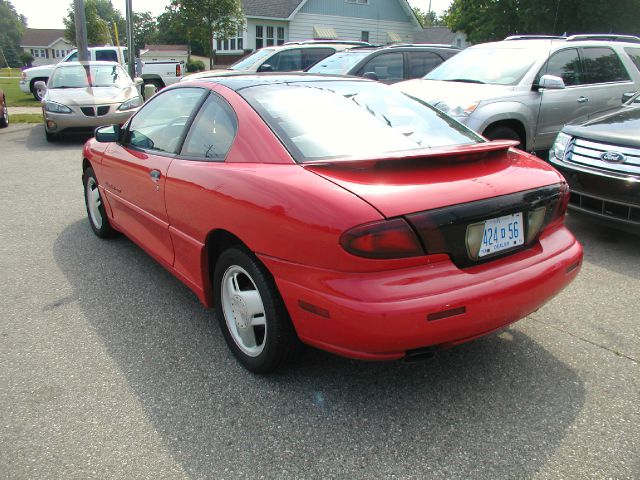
[333,211]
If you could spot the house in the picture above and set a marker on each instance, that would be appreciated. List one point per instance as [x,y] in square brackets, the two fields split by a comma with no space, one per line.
[275,22]
[164,53]
[46,45]
[441,35]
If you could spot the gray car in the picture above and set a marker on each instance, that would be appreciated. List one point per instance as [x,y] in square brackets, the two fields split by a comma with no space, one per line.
[527,88]
[82,96]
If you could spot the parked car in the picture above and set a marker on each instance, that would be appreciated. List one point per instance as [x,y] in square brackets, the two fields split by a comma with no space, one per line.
[4,111]
[386,64]
[527,88]
[292,56]
[601,161]
[84,95]
[332,210]
[158,74]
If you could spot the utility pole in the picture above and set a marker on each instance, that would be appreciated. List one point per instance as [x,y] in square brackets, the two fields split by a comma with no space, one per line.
[81,30]
[131,47]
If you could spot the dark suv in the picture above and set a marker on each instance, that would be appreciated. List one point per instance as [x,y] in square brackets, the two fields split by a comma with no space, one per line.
[387,64]
[601,161]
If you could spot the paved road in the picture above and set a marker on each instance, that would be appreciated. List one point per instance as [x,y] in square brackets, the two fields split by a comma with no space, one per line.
[108,369]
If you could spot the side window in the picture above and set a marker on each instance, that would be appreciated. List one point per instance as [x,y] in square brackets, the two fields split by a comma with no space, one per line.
[311,56]
[603,65]
[212,132]
[286,60]
[634,55]
[160,123]
[388,67]
[421,63]
[107,55]
[73,57]
[564,64]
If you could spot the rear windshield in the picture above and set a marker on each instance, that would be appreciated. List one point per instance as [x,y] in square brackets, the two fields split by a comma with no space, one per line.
[341,119]
[496,66]
[338,63]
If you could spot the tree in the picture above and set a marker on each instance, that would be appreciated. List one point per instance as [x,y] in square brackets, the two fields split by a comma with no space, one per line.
[173,29]
[208,18]
[427,19]
[100,16]
[145,29]
[12,27]
[26,59]
[486,20]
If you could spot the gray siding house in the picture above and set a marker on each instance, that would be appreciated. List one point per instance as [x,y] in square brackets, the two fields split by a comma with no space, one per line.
[275,22]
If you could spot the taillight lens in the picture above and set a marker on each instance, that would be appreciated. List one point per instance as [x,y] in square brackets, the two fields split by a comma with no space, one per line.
[178,70]
[384,239]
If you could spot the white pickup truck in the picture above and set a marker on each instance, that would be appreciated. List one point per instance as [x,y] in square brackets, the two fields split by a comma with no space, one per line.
[159,74]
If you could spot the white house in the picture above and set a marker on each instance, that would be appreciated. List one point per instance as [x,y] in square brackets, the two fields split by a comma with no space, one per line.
[274,22]
[46,45]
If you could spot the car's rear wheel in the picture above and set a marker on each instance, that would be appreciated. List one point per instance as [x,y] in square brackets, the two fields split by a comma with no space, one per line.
[4,114]
[95,208]
[502,132]
[251,313]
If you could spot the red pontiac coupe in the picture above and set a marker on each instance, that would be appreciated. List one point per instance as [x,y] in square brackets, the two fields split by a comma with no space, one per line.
[333,211]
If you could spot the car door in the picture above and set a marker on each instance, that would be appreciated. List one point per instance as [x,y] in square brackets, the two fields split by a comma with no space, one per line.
[606,78]
[134,171]
[421,63]
[559,107]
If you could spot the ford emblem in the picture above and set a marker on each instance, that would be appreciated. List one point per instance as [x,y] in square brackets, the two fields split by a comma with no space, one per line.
[613,157]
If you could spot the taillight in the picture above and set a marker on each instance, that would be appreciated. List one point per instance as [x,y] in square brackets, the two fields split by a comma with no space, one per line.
[565,195]
[383,239]
[178,70]
[24,76]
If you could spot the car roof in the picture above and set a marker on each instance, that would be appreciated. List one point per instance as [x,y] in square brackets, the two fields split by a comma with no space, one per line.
[239,82]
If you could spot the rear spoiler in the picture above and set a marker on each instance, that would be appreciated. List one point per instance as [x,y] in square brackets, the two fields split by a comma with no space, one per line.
[462,153]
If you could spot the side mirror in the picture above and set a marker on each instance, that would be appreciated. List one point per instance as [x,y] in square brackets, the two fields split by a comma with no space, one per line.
[108,134]
[371,76]
[628,96]
[138,81]
[265,67]
[551,82]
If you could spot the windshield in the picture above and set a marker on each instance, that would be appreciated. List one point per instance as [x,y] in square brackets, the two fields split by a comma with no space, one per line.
[338,119]
[246,62]
[497,66]
[82,76]
[339,63]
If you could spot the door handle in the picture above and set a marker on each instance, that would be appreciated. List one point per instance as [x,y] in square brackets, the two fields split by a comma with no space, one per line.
[583,99]
[155,175]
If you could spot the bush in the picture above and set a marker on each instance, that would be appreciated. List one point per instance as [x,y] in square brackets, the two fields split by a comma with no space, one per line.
[195,66]
[27,59]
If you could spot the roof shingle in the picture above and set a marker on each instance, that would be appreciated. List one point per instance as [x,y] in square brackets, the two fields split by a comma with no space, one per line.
[40,37]
[270,8]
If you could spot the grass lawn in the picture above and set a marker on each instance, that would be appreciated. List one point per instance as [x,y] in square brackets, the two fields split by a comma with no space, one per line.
[25,118]
[15,96]
[10,72]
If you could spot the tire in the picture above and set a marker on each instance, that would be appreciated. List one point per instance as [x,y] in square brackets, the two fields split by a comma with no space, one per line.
[503,133]
[38,94]
[251,313]
[4,114]
[95,209]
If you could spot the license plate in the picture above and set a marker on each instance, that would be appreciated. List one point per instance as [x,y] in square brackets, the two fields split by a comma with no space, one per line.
[502,233]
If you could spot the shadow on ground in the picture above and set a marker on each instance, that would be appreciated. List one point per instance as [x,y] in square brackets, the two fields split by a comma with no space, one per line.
[497,407]
[36,142]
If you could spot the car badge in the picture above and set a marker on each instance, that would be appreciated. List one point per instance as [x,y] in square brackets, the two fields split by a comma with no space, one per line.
[613,157]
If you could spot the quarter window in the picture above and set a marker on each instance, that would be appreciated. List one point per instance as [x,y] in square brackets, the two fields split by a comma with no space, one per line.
[603,65]
[160,124]
[634,55]
[564,64]
[212,132]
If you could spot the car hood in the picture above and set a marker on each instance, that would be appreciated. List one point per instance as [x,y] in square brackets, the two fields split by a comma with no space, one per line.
[33,71]
[90,95]
[621,127]
[436,91]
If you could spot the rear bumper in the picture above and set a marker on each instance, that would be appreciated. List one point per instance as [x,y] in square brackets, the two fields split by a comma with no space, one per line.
[382,315]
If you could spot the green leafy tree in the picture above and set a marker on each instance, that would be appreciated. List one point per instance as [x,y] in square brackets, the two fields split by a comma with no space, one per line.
[100,17]
[174,29]
[12,27]
[145,30]
[206,18]
[427,19]
[26,59]
[487,20]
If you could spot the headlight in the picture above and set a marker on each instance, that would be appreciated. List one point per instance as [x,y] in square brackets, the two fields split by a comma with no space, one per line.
[458,109]
[54,107]
[560,145]
[131,103]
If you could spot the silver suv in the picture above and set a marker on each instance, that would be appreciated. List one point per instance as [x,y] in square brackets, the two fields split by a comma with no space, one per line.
[527,88]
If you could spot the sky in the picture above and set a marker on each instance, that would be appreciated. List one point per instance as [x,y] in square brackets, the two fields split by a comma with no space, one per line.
[49,13]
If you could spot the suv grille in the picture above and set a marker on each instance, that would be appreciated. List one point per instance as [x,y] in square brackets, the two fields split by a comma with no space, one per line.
[588,153]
